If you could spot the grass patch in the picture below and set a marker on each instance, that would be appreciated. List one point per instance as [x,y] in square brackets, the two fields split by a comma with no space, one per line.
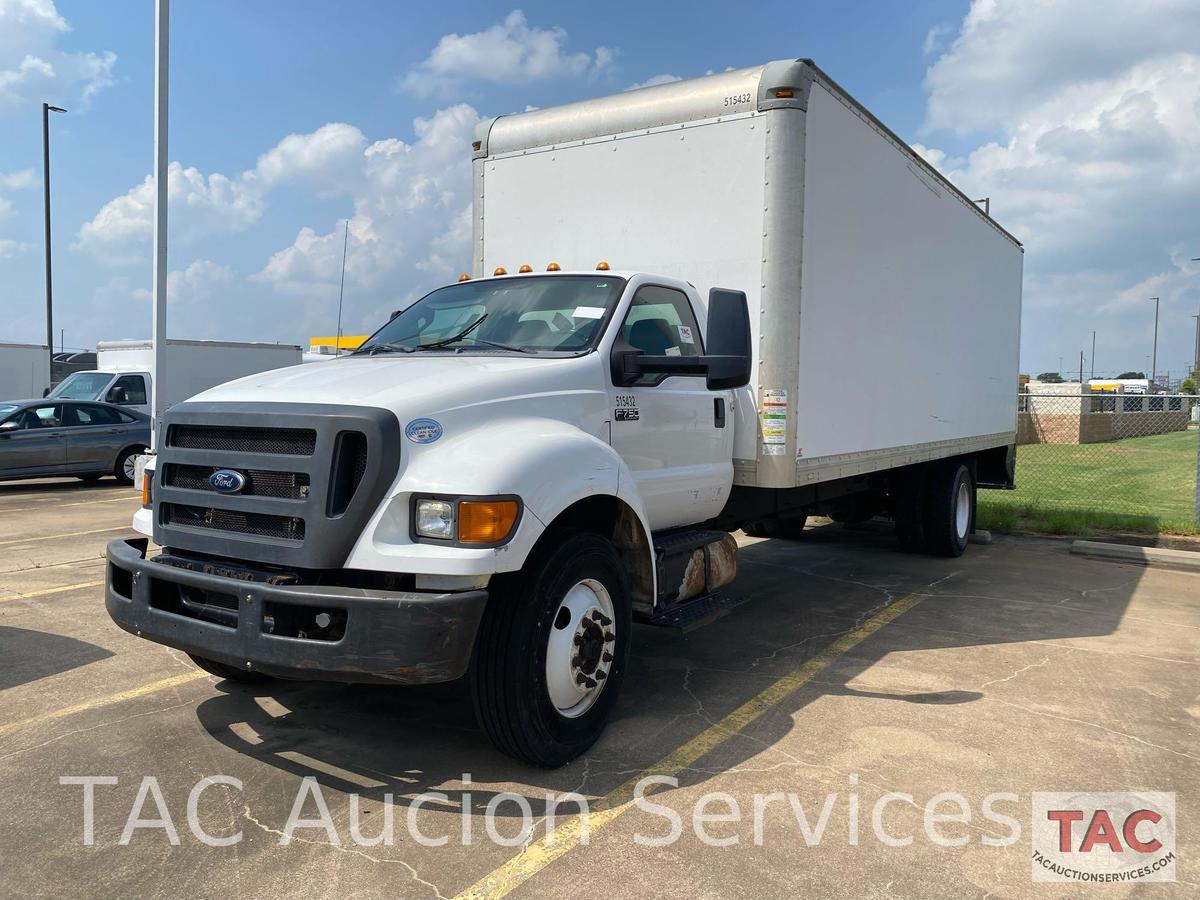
[1144,485]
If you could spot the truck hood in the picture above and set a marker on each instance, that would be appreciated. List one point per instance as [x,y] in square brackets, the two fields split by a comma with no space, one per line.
[419,383]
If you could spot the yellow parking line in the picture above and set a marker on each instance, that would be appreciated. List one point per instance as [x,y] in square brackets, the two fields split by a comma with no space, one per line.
[539,854]
[57,590]
[50,537]
[99,702]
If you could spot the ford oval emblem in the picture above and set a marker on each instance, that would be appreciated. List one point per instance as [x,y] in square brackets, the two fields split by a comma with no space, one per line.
[227,481]
[423,431]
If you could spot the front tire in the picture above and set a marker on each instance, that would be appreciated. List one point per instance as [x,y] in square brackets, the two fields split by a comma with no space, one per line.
[552,649]
[125,469]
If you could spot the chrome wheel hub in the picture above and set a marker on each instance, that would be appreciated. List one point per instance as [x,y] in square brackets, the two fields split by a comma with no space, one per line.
[580,651]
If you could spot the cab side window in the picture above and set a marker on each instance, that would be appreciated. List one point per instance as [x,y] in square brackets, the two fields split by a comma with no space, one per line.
[133,387]
[660,322]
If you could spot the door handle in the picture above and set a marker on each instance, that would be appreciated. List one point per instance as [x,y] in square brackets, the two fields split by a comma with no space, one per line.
[719,411]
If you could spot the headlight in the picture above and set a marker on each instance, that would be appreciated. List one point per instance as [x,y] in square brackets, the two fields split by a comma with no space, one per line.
[466,520]
[435,519]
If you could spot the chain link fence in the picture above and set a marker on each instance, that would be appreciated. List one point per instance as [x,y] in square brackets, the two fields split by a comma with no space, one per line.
[1109,461]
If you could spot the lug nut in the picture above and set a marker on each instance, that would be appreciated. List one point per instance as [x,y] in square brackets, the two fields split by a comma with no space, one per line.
[609,637]
[605,620]
[601,674]
[577,661]
[577,640]
[581,678]
[607,657]
[590,683]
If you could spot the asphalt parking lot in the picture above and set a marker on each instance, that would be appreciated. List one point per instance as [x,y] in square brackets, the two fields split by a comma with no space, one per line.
[852,670]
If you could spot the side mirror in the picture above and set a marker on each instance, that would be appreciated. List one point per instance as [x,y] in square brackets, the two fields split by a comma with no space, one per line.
[45,392]
[118,395]
[729,350]
[7,428]
[725,365]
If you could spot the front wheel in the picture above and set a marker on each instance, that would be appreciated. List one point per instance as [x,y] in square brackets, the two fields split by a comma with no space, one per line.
[126,467]
[552,649]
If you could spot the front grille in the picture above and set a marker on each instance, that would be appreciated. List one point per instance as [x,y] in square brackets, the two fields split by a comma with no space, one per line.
[259,482]
[289,528]
[289,441]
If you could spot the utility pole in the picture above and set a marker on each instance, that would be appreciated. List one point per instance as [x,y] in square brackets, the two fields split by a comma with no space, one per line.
[1154,356]
[158,316]
[1093,375]
[1081,369]
[46,110]
[337,341]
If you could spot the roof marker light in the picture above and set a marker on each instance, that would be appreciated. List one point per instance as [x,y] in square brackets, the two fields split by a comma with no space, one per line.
[525,268]
[601,266]
[784,93]
[554,267]
[500,270]
[464,277]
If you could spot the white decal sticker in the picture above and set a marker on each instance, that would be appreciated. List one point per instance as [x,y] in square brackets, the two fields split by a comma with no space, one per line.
[589,312]
[773,418]
[685,334]
[673,351]
[773,450]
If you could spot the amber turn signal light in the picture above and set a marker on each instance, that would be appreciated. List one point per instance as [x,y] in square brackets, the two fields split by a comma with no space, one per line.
[147,480]
[486,521]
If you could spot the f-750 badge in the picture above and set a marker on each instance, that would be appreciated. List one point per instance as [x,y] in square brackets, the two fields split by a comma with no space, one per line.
[626,415]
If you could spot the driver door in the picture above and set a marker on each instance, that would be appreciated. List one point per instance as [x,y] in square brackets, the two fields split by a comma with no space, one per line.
[673,433]
[38,446]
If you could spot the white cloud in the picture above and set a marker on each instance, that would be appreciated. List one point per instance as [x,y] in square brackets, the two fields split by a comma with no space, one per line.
[326,160]
[31,66]
[19,180]
[1094,163]
[653,80]
[935,38]
[12,249]
[509,52]
[410,228]
[199,283]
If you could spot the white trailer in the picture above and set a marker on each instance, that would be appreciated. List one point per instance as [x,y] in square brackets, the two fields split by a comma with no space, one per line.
[885,306]
[24,371]
[515,467]
[125,369]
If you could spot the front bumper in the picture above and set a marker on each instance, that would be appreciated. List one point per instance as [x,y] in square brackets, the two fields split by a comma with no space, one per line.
[398,637]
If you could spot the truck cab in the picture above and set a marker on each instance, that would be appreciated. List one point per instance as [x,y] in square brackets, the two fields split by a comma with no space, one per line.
[129,389]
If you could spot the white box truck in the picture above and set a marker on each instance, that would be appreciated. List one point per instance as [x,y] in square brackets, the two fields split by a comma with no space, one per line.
[751,303]
[24,371]
[124,370]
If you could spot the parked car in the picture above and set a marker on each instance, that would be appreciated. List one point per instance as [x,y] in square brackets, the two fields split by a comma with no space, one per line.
[56,437]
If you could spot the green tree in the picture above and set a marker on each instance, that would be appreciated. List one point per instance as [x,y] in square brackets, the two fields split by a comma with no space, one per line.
[1050,378]
[1188,386]
[1132,375]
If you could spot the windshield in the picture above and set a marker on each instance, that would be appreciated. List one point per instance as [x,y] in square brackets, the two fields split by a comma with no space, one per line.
[5,409]
[548,314]
[81,385]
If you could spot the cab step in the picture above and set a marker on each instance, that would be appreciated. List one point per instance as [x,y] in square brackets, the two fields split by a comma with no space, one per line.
[695,613]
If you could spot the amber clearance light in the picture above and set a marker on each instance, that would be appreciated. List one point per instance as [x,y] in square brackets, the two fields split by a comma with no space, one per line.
[485,521]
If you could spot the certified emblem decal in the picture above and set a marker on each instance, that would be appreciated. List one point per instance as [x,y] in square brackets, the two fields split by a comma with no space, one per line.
[423,431]
[227,481]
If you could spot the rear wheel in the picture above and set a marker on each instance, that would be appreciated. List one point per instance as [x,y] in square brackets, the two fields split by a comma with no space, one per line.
[551,651]
[229,673]
[788,529]
[949,508]
[126,466]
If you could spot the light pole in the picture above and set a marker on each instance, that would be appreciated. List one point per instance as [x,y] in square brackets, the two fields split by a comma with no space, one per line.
[1093,375]
[1154,356]
[46,110]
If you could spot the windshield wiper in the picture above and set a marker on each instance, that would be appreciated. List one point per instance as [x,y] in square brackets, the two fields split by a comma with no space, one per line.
[383,348]
[500,346]
[444,342]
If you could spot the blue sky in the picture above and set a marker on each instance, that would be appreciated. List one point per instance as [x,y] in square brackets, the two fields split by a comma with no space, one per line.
[288,117]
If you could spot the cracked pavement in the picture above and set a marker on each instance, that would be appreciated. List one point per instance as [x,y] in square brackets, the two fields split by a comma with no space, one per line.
[1017,668]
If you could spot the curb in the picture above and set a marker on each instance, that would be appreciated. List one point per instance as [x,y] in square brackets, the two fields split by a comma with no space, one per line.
[1181,560]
